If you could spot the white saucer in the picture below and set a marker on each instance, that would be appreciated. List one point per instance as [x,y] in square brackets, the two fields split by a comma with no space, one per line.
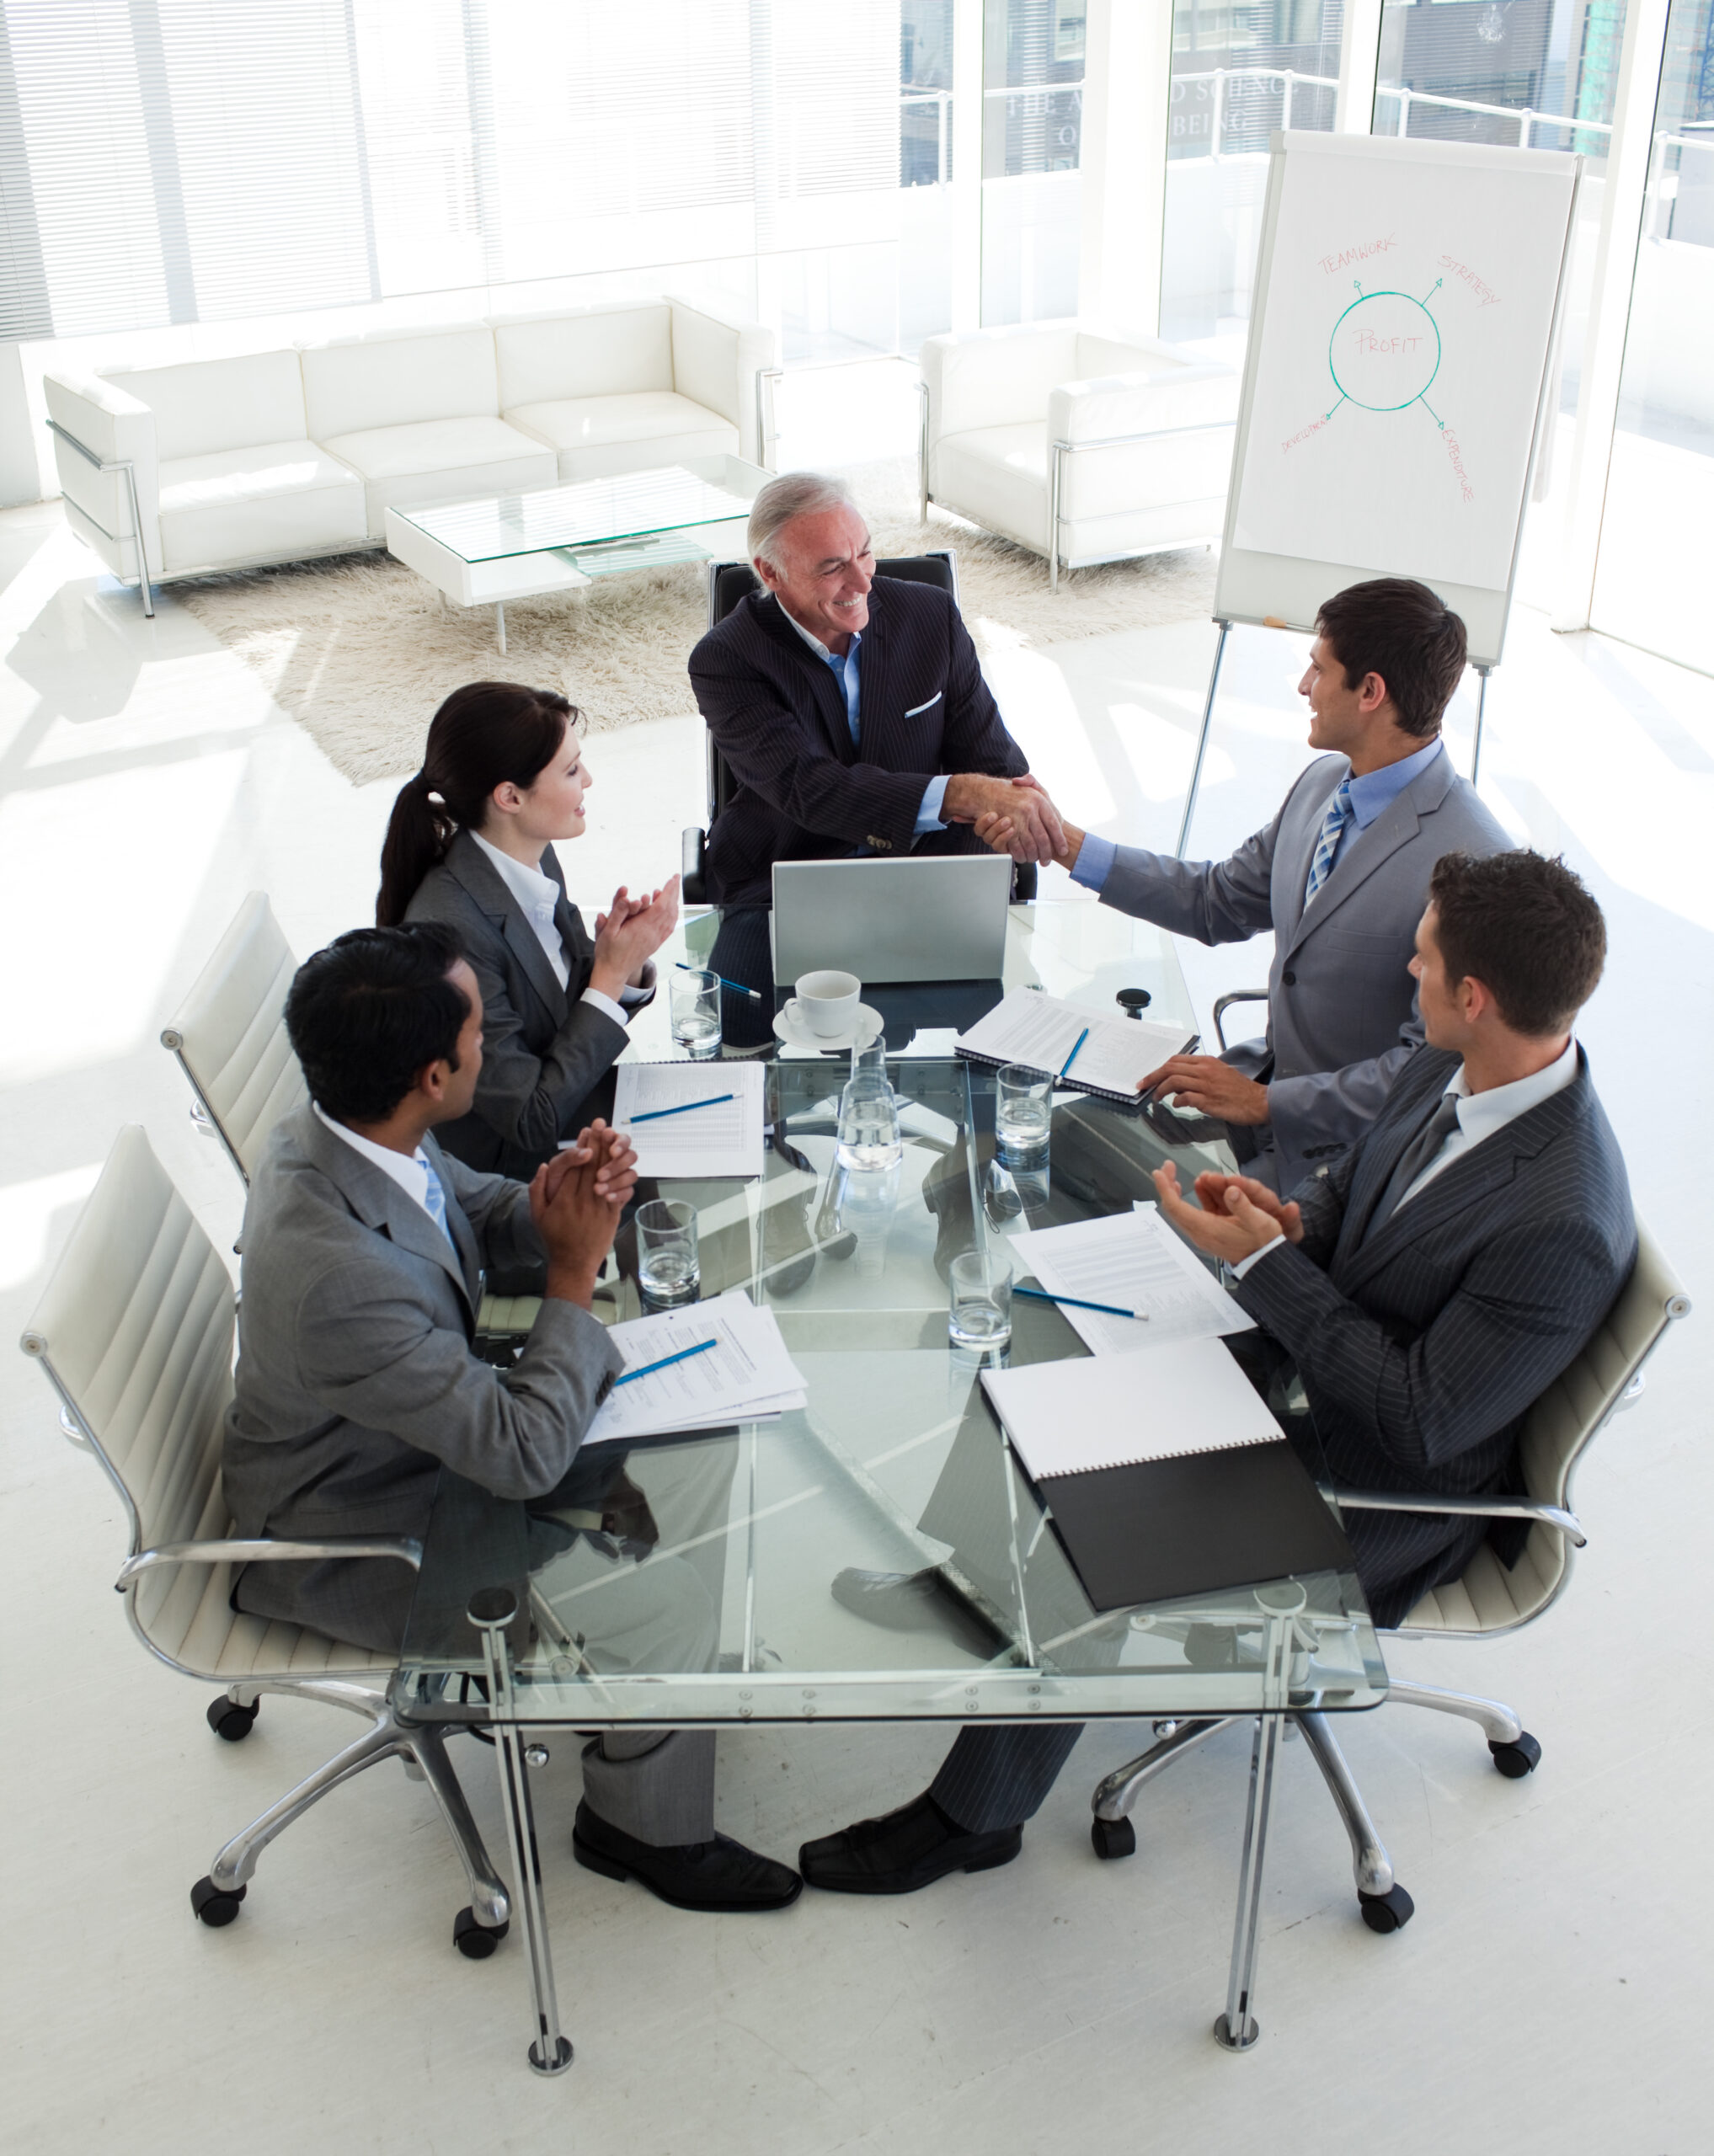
[869,1023]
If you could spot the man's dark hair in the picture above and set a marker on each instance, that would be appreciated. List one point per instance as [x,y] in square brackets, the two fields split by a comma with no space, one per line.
[365,1015]
[1526,928]
[1402,631]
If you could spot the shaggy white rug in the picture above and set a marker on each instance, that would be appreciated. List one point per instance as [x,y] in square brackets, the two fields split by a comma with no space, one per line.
[361,650]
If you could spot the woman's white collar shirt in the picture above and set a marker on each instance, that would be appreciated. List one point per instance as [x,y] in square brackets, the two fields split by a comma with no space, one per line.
[538,895]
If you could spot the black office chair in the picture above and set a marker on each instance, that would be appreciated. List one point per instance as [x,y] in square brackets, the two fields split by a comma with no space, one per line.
[728,583]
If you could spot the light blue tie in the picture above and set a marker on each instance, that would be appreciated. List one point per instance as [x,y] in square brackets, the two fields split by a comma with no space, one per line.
[435,1198]
[1339,815]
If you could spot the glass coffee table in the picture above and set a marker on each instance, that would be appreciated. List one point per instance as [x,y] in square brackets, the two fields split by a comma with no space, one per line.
[896,1466]
[501,546]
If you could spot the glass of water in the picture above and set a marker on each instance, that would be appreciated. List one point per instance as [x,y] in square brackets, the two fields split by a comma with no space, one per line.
[696,1012]
[669,1271]
[868,1125]
[981,1299]
[870,1061]
[1023,1115]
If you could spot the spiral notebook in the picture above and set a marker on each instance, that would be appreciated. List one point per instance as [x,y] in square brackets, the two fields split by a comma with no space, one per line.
[1166,1476]
[1041,1032]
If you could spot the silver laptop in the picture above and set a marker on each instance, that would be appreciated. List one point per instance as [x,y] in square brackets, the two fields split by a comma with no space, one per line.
[933,917]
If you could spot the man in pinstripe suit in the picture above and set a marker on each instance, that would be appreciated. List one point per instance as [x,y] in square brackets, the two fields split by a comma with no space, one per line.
[1428,1285]
[852,712]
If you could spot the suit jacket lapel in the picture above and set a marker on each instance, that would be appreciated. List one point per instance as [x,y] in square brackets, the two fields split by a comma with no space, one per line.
[463,1235]
[829,697]
[479,876]
[580,949]
[379,1203]
[1366,850]
[874,731]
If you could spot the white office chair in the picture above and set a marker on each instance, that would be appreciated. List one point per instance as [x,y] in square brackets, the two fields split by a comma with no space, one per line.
[1487,1599]
[134,1333]
[230,1036]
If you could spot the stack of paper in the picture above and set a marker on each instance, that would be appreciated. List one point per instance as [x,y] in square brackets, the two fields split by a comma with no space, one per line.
[747,1372]
[1070,1418]
[692,1120]
[1132,1261]
[1115,1055]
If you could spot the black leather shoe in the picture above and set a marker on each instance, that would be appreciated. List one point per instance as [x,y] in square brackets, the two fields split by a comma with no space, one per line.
[720,1875]
[903,1850]
[912,1602]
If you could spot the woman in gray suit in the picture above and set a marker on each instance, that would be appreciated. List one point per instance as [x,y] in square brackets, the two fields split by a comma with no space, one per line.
[471,844]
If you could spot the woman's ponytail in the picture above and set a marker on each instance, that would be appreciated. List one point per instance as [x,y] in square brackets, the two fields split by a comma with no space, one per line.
[484,735]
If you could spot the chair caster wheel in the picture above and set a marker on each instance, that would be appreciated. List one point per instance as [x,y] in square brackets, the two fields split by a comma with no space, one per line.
[475,1941]
[1114,1837]
[232,1721]
[215,1906]
[1514,1761]
[1389,1912]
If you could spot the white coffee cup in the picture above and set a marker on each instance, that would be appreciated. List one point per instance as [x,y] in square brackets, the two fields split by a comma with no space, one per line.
[826,1003]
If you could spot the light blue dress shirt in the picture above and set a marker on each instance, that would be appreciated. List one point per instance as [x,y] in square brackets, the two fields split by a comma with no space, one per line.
[1370,794]
[847,673]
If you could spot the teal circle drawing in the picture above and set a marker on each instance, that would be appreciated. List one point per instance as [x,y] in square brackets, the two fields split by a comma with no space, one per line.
[1393,333]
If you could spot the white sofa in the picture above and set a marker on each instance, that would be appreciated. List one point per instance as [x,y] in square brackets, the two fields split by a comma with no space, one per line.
[277,457]
[1078,443]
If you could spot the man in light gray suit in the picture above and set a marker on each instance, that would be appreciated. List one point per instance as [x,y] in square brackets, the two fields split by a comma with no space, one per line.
[364,1246]
[1341,877]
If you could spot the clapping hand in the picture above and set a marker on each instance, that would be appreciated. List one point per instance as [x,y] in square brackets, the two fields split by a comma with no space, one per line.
[630,933]
[1239,1215]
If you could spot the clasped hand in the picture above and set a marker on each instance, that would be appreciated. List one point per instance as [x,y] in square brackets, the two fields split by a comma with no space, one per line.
[1012,816]
[575,1201]
[1238,1216]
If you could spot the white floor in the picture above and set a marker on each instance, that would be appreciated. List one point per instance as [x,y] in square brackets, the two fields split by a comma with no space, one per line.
[1548,1994]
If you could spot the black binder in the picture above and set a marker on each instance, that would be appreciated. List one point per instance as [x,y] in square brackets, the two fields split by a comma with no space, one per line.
[1194,1525]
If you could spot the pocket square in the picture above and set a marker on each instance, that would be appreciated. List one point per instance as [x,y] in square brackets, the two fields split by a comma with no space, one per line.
[917,710]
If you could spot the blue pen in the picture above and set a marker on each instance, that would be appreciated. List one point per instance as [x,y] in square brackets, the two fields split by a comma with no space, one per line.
[737,987]
[1072,1057]
[649,1369]
[683,1107]
[1077,1303]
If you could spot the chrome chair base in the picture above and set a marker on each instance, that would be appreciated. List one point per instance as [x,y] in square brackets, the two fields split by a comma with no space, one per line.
[422,1747]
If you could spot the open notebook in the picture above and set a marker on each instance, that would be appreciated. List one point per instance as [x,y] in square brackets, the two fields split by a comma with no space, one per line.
[1165,1476]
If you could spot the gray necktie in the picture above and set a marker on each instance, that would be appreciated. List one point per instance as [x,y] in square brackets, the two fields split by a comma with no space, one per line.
[1416,1156]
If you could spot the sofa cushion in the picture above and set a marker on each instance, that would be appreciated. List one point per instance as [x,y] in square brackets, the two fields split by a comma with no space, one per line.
[206,406]
[273,502]
[596,436]
[392,380]
[597,352]
[441,460]
[997,476]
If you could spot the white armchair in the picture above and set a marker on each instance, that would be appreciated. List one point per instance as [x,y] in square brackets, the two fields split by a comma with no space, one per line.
[1080,445]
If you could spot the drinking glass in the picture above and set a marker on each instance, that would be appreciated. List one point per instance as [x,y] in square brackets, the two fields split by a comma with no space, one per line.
[696,1012]
[668,1269]
[1023,1115]
[870,1061]
[868,1125]
[980,1316]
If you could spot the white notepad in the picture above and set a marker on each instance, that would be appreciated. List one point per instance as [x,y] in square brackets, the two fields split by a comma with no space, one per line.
[1135,1261]
[1040,1031]
[722,1139]
[1108,1411]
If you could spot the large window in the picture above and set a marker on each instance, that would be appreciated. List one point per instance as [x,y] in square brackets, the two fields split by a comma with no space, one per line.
[1656,567]
[1031,142]
[1238,72]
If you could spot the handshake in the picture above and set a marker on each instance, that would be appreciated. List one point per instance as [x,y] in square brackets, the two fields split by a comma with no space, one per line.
[1013,815]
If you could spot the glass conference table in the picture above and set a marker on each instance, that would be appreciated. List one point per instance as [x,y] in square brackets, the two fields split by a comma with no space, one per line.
[896,1465]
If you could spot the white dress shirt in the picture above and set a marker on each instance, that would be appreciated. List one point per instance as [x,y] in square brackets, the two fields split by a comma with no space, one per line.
[409,1171]
[1481,1116]
[538,895]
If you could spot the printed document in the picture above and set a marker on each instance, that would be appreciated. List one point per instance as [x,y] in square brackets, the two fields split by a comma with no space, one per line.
[748,1372]
[721,1139]
[1136,1263]
[1040,1031]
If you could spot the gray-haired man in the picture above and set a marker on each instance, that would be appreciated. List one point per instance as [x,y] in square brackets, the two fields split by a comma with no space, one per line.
[852,712]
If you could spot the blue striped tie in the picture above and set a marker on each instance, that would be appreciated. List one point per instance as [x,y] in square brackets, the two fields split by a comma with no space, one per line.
[435,1199]
[1339,812]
